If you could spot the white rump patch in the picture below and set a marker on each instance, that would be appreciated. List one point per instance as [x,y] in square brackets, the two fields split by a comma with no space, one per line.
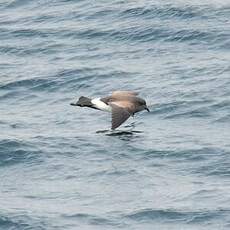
[101,105]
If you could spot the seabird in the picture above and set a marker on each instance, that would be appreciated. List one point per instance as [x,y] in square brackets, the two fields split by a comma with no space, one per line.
[122,105]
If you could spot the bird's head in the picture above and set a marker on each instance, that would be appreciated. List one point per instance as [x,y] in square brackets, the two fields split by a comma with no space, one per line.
[143,106]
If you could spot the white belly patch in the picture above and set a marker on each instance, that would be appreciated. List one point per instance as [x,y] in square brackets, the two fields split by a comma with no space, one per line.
[101,105]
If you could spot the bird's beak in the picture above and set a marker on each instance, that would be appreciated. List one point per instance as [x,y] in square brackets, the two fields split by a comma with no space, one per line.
[74,104]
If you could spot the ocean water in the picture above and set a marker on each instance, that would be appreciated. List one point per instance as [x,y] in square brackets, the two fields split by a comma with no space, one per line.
[62,168]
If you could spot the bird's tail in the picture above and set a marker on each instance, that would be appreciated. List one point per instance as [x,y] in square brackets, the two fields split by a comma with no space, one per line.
[83,102]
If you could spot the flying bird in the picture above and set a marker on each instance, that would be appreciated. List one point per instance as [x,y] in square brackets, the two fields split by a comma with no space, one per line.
[122,105]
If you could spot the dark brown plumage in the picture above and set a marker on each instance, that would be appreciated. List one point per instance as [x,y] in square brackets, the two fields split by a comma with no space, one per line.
[122,104]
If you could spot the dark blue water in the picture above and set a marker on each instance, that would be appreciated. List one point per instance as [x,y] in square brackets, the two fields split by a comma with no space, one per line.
[62,168]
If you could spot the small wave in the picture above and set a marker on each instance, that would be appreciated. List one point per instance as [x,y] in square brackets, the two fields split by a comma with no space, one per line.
[223,119]
[131,33]
[175,215]
[10,49]
[20,222]
[7,223]
[194,113]
[166,12]
[150,214]
[17,3]
[219,168]
[24,83]
[221,104]
[193,109]
[31,33]
[91,219]
[14,151]
[50,83]
[185,109]
[185,155]
[7,95]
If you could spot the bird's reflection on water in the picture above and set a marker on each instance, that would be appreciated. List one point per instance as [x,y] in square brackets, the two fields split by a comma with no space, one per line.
[122,134]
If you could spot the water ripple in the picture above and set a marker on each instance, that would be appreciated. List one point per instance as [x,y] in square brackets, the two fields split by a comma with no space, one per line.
[14,152]
[182,216]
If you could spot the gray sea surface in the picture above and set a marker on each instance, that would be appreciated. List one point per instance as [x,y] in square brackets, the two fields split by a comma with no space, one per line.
[62,168]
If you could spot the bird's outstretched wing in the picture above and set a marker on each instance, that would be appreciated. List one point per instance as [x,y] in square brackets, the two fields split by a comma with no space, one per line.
[124,93]
[119,115]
